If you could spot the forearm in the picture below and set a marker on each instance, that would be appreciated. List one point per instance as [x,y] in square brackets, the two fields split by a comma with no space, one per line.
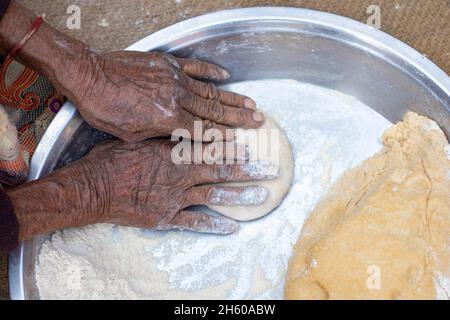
[67,198]
[48,52]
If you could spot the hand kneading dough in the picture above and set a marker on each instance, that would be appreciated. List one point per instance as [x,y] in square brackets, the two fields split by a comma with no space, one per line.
[280,155]
[382,232]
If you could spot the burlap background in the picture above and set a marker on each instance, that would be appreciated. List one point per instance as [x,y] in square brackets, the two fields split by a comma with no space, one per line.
[115,24]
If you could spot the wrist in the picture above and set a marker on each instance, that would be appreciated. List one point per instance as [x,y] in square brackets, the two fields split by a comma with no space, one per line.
[72,68]
[67,198]
[64,61]
[94,188]
[13,26]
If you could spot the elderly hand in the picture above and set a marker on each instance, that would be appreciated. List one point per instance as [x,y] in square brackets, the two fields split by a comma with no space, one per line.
[131,95]
[144,188]
[135,95]
[136,184]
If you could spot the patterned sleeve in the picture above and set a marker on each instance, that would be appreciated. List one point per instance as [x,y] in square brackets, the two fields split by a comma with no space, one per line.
[9,226]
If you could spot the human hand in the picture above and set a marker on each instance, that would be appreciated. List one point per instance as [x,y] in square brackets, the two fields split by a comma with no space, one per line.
[136,95]
[131,95]
[138,185]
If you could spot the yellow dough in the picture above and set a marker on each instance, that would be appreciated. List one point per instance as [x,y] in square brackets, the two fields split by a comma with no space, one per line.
[383,231]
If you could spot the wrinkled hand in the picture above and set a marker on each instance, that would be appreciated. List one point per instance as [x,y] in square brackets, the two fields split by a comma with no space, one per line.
[136,95]
[138,185]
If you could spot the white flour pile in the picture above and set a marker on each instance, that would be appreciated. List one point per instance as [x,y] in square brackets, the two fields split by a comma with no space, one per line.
[330,133]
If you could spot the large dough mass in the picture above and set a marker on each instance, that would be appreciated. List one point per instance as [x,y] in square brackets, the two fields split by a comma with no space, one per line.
[267,143]
[382,232]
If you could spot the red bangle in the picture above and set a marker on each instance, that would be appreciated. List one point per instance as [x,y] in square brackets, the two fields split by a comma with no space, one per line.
[34,27]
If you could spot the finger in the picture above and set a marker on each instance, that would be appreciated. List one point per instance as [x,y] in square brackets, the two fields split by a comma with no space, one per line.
[210,91]
[216,173]
[201,222]
[217,112]
[226,196]
[202,130]
[202,70]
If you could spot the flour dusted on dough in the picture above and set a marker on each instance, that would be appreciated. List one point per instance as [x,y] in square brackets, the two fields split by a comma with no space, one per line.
[267,144]
[382,232]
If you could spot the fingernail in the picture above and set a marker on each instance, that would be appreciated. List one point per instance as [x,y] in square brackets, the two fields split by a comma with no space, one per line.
[253,196]
[222,225]
[260,170]
[249,104]
[258,116]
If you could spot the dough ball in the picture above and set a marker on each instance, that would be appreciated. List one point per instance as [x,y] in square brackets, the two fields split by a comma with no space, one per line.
[382,230]
[267,143]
